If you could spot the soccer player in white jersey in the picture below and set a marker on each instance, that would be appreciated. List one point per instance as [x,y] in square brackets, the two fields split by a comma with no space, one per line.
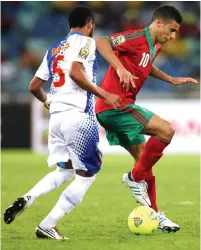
[73,131]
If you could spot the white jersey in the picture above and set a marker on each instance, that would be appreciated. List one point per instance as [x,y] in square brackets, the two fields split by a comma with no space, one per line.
[66,94]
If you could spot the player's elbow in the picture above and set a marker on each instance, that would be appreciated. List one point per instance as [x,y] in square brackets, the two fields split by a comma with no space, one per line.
[32,87]
[35,84]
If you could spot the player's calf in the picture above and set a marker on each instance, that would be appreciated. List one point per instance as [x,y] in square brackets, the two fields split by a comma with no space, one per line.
[168,132]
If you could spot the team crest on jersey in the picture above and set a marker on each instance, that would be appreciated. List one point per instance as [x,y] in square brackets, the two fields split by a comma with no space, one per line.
[118,40]
[137,221]
[84,52]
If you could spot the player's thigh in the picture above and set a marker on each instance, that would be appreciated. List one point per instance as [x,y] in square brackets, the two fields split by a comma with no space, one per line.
[57,143]
[55,136]
[124,125]
[84,149]
[159,127]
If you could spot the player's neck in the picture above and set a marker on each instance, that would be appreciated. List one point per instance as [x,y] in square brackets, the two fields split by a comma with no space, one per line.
[152,33]
[80,30]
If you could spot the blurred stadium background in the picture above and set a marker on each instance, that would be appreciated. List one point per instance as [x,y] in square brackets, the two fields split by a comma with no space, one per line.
[29,28]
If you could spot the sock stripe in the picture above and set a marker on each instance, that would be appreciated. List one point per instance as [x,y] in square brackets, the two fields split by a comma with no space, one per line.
[161,139]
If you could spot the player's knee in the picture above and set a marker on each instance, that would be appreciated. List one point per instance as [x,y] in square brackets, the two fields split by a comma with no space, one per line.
[170,131]
[75,192]
[167,131]
[85,183]
[66,174]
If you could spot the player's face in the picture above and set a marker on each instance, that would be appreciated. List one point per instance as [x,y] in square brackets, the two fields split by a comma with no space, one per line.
[91,28]
[167,31]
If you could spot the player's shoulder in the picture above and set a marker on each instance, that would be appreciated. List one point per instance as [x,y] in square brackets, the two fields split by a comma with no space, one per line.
[134,32]
[135,35]
[81,38]
[57,46]
[88,41]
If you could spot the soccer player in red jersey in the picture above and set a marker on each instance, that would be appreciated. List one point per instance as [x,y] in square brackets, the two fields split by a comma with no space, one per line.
[131,63]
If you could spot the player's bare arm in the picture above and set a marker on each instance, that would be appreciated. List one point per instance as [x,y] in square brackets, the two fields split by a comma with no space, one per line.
[35,88]
[78,75]
[105,49]
[157,73]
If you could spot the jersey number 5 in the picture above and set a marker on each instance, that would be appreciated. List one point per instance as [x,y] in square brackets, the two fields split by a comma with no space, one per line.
[145,60]
[58,71]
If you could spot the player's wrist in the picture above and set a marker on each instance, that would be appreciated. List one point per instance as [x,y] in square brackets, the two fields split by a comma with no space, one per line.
[171,80]
[48,99]
[103,95]
[120,68]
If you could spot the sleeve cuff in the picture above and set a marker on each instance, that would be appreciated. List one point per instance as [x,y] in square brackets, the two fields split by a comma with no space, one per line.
[44,78]
[79,60]
[109,39]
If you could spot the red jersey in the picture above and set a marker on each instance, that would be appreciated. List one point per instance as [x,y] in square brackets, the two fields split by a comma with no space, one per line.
[135,50]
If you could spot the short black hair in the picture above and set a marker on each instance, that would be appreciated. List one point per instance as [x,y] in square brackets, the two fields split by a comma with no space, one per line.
[167,12]
[80,16]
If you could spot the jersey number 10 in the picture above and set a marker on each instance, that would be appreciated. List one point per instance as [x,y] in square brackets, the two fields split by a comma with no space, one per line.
[58,71]
[145,60]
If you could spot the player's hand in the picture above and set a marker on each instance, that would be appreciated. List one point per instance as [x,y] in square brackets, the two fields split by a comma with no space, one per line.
[126,78]
[112,100]
[183,80]
[47,106]
[48,101]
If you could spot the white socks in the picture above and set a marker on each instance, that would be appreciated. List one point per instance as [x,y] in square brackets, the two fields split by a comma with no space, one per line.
[69,199]
[50,182]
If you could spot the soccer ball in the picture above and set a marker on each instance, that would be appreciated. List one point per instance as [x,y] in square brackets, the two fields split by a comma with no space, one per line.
[143,220]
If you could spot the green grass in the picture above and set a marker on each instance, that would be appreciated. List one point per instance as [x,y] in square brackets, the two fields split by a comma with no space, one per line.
[100,222]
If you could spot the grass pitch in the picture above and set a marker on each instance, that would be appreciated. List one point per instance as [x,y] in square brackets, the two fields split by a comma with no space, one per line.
[100,222]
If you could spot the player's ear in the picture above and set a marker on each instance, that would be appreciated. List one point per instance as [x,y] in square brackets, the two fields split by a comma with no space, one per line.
[159,22]
[90,24]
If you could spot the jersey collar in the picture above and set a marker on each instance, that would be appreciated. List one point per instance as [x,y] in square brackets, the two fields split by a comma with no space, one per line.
[149,39]
[74,32]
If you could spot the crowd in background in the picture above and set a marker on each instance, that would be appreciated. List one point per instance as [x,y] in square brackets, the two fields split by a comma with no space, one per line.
[29,28]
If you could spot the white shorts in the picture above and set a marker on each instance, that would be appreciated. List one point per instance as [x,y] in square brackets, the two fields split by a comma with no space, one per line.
[74,135]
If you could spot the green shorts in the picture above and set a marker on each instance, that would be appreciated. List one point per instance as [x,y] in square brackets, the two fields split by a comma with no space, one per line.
[123,126]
